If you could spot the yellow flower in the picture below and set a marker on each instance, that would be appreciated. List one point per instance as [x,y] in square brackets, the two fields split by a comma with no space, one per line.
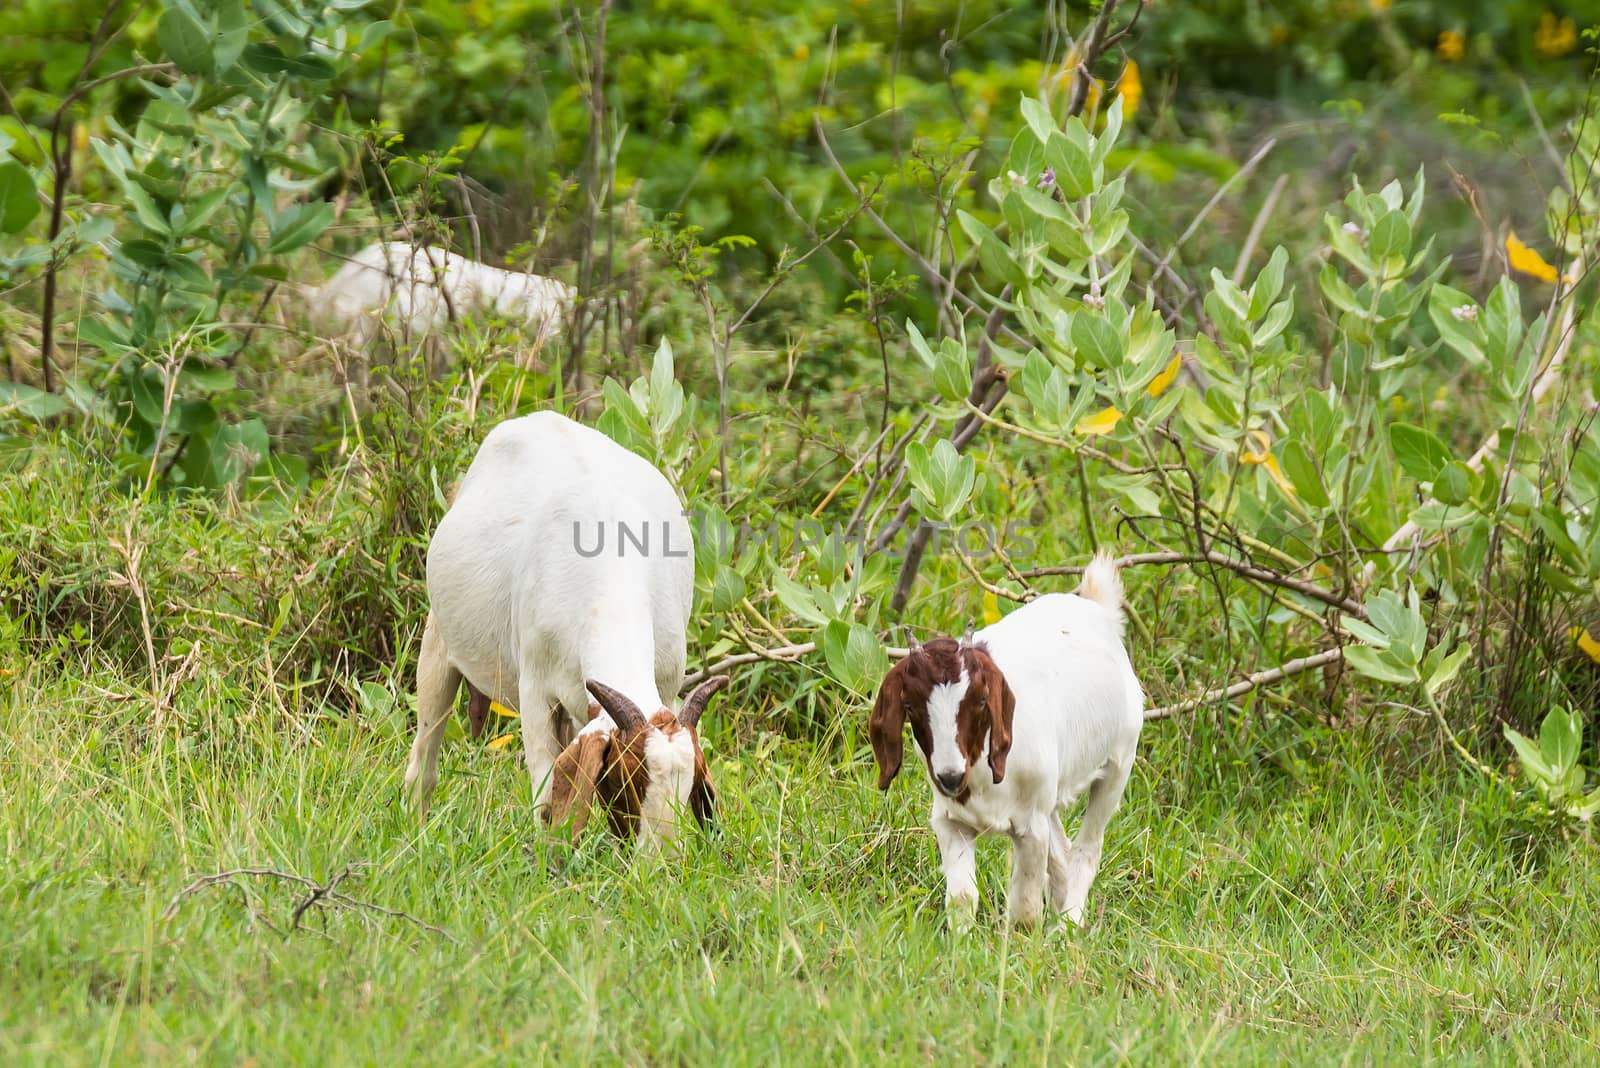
[501,710]
[991,609]
[1379,5]
[1101,422]
[1130,88]
[1555,37]
[1159,384]
[802,52]
[1586,643]
[1262,454]
[1452,45]
[1528,260]
[503,741]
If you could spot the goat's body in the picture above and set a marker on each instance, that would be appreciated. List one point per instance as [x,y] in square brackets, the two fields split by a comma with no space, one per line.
[522,604]
[423,287]
[1079,708]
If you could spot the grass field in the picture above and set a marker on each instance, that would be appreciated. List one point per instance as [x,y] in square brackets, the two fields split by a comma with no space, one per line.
[1321,903]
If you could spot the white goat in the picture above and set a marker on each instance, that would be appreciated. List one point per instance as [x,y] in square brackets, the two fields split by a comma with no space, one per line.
[422,288]
[564,567]
[1051,690]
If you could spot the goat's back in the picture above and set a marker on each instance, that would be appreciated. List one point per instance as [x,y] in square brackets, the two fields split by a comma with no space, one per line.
[561,539]
[1075,687]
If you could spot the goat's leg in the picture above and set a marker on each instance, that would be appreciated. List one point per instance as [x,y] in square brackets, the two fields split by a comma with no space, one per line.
[958,856]
[437,684]
[1060,849]
[541,741]
[1030,851]
[1084,860]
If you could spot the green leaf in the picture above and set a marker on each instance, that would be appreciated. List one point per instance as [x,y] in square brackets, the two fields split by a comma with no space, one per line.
[727,589]
[1301,468]
[1560,739]
[1533,761]
[1448,669]
[993,254]
[1391,236]
[1269,283]
[942,477]
[1365,632]
[1097,342]
[1455,315]
[1074,169]
[1454,484]
[797,599]
[1038,118]
[233,30]
[183,38]
[1375,666]
[666,396]
[299,226]
[1419,452]
[375,33]
[854,655]
[31,401]
[19,200]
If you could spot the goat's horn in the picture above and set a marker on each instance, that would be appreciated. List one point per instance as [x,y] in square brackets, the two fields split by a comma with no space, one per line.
[966,639]
[912,645]
[695,703]
[623,711]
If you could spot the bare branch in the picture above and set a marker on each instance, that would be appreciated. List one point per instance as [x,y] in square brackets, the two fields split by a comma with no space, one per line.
[1248,683]
[1243,568]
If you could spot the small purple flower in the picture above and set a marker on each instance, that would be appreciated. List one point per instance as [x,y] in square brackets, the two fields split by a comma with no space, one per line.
[1048,178]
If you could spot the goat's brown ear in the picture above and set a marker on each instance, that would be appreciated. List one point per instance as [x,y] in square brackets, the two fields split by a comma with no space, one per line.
[1002,706]
[887,725]
[702,798]
[574,779]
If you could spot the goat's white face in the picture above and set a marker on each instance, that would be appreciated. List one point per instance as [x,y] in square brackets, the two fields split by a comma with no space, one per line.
[670,760]
[947,763]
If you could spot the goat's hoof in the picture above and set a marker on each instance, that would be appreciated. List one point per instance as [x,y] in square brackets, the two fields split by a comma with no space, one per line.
[961,912]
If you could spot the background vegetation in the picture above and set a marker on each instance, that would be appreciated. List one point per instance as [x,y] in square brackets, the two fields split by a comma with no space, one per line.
[917,304]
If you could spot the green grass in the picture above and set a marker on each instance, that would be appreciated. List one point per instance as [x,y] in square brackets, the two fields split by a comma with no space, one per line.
[1327,905]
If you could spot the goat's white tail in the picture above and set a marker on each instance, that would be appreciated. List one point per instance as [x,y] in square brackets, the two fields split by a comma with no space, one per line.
[1102,584]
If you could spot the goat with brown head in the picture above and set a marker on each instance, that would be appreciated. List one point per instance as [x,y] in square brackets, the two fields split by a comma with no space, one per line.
[1055,675]
[645,771]
[960,710]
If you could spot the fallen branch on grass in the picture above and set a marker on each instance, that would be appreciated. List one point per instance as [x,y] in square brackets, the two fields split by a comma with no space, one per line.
[320,895]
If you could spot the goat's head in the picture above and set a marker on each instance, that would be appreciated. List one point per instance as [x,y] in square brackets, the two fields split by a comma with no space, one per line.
[956,699]
[645,772]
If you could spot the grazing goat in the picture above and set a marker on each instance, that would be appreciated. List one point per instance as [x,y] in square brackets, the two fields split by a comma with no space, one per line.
[530,605]
[423,287]
[1050,689]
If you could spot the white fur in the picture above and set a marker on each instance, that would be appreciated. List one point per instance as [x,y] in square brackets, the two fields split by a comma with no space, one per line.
[1079,708]
[518,610]
[423,287]
[670,765]
[943,704]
